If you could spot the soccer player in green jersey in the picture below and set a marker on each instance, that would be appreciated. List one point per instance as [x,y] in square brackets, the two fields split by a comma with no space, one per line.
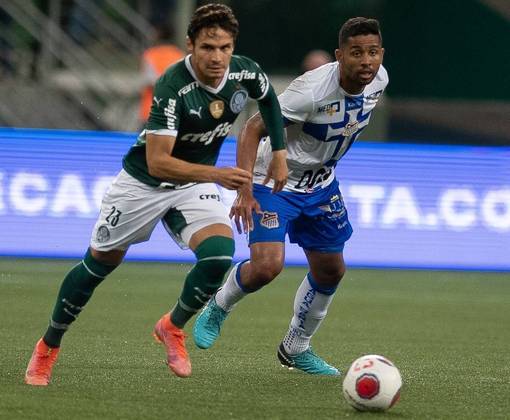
[169,175]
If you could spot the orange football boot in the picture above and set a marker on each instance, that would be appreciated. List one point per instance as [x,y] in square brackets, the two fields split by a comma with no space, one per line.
[41,363]
[173,339]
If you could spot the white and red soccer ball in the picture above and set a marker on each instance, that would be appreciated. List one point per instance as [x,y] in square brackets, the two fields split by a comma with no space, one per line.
[372,383]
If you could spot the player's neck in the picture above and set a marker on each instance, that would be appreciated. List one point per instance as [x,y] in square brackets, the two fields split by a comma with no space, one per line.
[351,88]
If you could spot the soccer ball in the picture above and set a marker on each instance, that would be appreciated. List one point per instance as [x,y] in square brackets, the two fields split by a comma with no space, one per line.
[372,383]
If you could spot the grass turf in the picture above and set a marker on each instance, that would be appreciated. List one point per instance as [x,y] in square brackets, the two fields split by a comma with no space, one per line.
[448,332]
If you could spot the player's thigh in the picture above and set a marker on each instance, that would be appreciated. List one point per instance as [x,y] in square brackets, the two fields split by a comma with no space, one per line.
[129,212]
[277,211]
[324,223]
[195,215]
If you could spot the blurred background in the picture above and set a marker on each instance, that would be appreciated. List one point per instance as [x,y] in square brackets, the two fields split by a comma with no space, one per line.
[427,187]
[76,64]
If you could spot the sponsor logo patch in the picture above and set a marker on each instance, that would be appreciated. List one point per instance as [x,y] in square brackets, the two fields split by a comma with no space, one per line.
[269,220]
[263,82]
[206,138]
[170,114]
[330,109]
[374,96]
[188,88]
[210,197]
[243,74]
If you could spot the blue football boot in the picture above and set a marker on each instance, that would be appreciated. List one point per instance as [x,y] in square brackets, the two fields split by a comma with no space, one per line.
[306,361]
[208,324]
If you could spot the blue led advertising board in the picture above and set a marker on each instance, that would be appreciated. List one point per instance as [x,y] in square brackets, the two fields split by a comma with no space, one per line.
[411,206]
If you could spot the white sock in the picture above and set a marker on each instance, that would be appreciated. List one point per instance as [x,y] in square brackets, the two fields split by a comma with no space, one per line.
[310,308]
[230,293]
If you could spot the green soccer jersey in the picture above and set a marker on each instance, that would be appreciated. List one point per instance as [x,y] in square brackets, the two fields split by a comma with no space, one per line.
[199,116]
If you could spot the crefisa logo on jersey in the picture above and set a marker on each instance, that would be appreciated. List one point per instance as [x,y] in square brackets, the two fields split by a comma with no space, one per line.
[269,220]
[238,101]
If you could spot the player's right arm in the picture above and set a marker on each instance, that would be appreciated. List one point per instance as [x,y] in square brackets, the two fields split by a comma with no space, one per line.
[162,130]
[162,165]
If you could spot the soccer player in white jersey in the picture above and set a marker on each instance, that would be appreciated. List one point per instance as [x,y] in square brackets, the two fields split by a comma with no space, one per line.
[324,110]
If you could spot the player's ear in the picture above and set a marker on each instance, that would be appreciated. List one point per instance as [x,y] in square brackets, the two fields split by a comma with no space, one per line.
[338,54]
[189,44]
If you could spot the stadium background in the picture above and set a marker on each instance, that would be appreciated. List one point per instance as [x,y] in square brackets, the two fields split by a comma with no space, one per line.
[75,65]
[427,186]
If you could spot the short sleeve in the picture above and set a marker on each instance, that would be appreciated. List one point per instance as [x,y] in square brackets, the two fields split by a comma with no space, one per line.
[165,111]
[296,101]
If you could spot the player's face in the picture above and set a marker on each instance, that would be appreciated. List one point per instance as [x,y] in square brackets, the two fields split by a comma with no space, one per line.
[359,58]
[211,54]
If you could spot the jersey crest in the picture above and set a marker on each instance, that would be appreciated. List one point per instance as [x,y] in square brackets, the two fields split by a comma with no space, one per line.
[238,101]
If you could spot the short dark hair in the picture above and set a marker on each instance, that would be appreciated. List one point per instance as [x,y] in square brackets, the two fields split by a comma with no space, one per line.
[358,26]
[212,15]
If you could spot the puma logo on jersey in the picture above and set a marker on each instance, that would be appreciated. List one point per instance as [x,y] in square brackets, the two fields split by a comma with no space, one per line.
[195,112]
[157,100]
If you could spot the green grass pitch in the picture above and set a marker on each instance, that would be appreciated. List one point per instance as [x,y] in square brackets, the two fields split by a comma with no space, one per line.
[448,332]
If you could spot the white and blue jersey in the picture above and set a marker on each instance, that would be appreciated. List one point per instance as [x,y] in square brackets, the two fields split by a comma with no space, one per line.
[322,123]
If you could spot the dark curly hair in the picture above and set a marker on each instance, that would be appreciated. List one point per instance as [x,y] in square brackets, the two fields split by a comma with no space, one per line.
[213,15]
[358,26]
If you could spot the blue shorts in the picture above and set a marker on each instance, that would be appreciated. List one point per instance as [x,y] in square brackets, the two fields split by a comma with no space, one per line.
[316,221]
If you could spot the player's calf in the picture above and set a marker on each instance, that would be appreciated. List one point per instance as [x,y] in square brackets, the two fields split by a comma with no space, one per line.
[214,257]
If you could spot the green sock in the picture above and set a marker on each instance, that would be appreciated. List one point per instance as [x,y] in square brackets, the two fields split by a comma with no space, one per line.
[75,292]
[214,256]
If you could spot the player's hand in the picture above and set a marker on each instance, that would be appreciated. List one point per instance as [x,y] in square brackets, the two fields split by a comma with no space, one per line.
[233,178]
[277,170]
[243,208]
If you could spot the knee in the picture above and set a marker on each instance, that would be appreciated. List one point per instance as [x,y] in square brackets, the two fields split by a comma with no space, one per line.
[215,268]
[330,275]
[214,257]
[264,271]
[113,257]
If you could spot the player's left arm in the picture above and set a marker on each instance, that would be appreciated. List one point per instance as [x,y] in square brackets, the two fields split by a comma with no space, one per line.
[247,145]
[271,117]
